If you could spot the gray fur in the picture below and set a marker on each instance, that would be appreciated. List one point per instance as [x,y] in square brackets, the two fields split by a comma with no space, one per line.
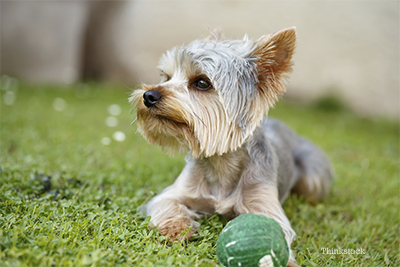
[231,69]
[298,159]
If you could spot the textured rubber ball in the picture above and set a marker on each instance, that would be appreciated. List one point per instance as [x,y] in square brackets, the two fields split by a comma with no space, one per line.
[252,240]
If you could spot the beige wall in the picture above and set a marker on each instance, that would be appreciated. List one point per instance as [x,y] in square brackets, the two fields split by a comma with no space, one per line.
[42,40]
[347,48]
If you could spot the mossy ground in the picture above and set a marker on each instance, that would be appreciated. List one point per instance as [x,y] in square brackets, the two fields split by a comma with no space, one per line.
[68,200]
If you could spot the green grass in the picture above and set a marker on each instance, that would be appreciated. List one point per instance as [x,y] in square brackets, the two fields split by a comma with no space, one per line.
[87,213]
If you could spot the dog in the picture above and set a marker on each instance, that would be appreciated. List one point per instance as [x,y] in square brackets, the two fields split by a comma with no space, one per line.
[212,101]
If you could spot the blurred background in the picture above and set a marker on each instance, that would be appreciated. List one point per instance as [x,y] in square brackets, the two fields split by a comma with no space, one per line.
[349,50]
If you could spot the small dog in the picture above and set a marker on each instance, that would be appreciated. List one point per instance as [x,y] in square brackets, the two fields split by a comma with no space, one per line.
[211,101]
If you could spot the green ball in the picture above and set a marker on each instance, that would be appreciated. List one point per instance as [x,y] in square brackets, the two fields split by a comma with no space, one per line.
[252,240]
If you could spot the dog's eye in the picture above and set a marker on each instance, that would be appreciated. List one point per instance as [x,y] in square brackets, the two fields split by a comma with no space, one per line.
[202,84]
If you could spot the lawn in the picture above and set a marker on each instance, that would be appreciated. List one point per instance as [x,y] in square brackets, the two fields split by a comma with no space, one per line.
[71,186]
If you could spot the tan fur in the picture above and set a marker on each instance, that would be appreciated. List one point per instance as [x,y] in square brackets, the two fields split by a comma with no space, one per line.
[312,188]
[169,126]
[274,53]
[177,221]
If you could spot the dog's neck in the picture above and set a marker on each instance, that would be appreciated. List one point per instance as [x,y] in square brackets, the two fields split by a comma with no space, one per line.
[222,172]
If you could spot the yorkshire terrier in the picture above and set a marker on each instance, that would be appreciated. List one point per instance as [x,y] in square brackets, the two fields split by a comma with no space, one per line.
[212,99]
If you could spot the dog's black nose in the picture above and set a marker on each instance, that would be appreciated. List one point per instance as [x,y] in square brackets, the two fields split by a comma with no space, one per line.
[150,98]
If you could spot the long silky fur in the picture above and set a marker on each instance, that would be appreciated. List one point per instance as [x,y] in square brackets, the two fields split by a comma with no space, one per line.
[245,84]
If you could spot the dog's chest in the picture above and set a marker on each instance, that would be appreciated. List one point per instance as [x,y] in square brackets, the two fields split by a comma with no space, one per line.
[223,173]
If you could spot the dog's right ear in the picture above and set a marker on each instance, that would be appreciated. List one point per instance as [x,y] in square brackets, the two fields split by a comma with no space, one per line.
[215,35]
[273,55]
[274,52]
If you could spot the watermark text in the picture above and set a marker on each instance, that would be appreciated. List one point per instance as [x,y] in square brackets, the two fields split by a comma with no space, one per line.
[330,251]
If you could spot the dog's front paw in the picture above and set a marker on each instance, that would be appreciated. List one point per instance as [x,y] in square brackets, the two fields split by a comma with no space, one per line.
[177,230]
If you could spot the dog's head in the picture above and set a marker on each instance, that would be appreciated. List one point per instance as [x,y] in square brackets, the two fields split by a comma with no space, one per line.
[213,93]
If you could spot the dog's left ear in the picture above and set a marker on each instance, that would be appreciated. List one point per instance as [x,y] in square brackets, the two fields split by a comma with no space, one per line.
[273,55]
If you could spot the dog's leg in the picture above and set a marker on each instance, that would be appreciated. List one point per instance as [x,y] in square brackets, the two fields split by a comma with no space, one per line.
[170,215]
[263,199]
[314,170]
[177,207]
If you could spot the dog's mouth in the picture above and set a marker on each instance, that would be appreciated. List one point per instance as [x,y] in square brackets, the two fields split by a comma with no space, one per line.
[165,127]
[161,118]
[168,120]
[165,111]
